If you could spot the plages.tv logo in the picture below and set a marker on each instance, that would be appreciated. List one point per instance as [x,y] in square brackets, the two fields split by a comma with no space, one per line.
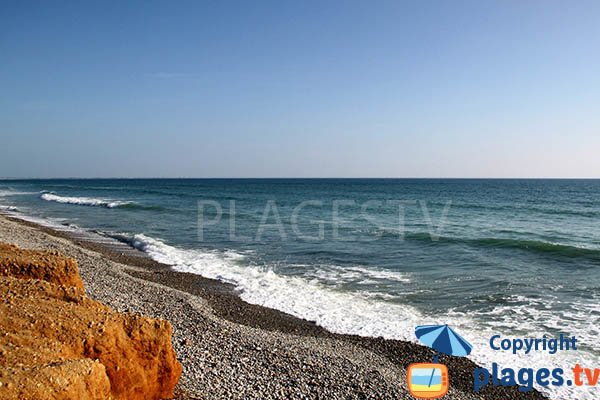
[431,380]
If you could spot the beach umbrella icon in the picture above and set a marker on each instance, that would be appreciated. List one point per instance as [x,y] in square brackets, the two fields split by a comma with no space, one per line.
[443,339]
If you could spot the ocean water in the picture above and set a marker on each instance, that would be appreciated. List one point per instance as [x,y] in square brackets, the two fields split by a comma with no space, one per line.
[374,257]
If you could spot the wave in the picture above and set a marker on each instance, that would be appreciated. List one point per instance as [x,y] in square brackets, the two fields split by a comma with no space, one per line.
[336,275]
[337,311]
[10,192]
[95,202]
[531,245]
[536,246]
[361,313]
[85,201]
[540,247]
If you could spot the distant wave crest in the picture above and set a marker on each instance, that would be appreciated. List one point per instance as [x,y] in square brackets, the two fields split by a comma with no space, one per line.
[85,201]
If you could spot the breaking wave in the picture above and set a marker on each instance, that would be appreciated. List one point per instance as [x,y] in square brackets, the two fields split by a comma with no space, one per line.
[85,201]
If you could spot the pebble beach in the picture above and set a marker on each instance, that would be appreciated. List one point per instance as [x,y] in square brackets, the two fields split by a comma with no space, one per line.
[230,349]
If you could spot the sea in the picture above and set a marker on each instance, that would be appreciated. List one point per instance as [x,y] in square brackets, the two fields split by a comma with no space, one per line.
[519,258]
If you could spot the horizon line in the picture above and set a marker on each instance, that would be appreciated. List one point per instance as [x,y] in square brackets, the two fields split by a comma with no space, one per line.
[299,178]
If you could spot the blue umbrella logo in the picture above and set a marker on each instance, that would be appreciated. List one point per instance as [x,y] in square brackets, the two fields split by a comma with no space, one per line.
[443,339]
[423,384]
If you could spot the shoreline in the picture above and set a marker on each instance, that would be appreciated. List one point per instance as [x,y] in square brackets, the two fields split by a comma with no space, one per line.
[238,349]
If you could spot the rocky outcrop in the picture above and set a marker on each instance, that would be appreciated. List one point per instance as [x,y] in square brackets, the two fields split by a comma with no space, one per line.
[82,379]
[50,266]
[56,343]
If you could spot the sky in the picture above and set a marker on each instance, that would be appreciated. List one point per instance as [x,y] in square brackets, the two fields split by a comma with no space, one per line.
[300,89]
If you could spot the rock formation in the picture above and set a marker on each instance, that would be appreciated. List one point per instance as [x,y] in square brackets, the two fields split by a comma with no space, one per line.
[50,266]
[56,343]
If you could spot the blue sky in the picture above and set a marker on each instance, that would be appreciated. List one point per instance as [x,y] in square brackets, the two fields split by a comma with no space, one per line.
[300,89]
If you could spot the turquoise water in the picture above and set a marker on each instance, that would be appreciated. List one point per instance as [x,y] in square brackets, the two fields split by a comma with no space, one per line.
[514,257]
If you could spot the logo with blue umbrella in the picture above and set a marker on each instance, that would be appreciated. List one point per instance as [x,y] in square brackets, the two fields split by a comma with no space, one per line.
[431,380]
[443,339]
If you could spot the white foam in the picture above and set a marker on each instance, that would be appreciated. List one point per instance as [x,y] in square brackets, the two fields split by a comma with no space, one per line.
[366,314]
[337,311]
[335,275]
[84,201]
[10,192]
[534,318]
[382,274]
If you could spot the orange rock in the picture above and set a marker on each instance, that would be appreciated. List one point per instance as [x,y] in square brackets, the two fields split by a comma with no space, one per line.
[76,379]
[51,266]
[51,334]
